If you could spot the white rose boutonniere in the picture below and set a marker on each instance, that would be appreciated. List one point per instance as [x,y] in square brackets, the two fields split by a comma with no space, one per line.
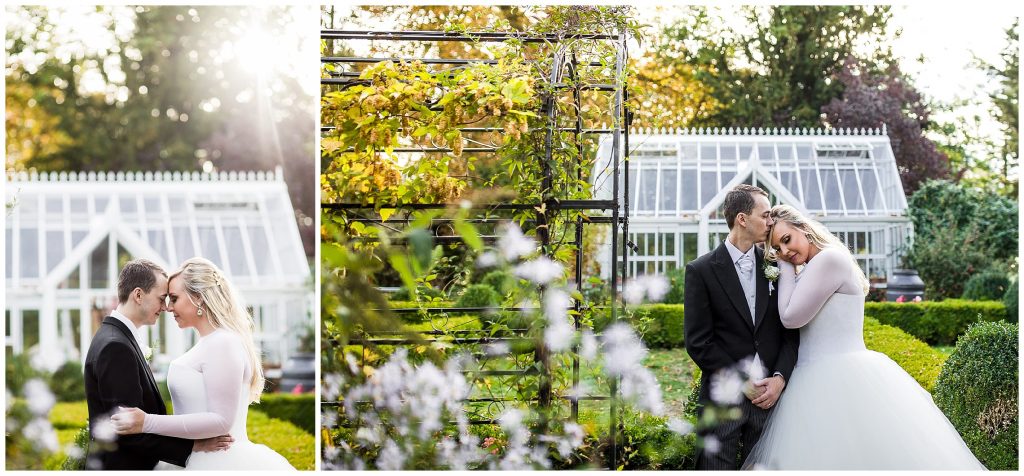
[772,273]
[147,352]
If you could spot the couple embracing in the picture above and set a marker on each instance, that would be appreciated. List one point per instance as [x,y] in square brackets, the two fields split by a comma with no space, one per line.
[211,385]
[814,396]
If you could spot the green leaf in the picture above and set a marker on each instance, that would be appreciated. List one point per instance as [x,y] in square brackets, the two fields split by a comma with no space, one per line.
[469,234]
[517,90]
[386,213]
[401,264]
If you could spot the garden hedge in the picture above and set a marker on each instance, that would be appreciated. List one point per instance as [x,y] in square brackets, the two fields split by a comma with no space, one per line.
[299,410]
[936,322]
[664,330]
[978,391]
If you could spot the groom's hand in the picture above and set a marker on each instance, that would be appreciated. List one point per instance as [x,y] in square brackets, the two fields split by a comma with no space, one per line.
[772,390]
[217,443]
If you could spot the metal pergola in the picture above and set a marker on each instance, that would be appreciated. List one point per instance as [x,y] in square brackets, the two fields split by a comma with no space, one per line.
[561,78]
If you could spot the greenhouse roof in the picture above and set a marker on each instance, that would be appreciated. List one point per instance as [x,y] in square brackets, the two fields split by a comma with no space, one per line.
[826,172]
[243,222]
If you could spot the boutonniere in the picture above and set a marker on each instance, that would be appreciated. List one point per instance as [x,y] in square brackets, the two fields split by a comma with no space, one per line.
[147,352]
[772,274]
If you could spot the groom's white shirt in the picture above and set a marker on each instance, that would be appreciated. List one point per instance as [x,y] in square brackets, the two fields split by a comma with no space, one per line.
[747,280]
[131,326]
[749,283]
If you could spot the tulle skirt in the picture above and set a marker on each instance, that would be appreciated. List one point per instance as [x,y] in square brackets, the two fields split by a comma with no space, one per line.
[858,411]
[242,455]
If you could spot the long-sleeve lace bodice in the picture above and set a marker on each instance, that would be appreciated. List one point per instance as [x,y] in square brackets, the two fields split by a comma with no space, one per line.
[829,272]
[209,390]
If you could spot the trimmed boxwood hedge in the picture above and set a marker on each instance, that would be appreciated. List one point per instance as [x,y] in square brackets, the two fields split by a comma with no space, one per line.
[978,391]
[664,330]
[936,322]
[299,410]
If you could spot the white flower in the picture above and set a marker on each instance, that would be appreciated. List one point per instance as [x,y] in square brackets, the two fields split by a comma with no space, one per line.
[391,457]
[9,402]
[654,287]
[641,387]
[497,348]
[147,352]
[727,387]
[771,272]
[38,396]
[680,427]
[558,333]
[331,386]
[103,430]
[623,351]
[511,419]
[41,433]
[541,270]
[711,444]
[486,259]
[514,244]
[588,345]
[367,435]
[329,417]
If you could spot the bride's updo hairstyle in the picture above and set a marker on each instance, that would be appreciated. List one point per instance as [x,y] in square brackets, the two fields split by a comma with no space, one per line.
[222,304]
[815,232]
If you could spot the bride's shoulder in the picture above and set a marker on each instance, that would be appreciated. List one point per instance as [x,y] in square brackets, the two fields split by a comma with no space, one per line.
[833,256]
[224,336]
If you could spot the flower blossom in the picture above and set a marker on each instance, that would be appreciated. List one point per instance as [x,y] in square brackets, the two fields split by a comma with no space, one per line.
[514,244]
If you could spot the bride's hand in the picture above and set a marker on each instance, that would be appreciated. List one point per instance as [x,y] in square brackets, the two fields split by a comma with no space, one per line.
[128,421]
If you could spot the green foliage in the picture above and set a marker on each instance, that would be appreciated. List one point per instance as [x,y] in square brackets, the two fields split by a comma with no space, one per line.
[917,358]
[478,295]
[68,382]
[82,443]
[1010,301]
[18,370]
[69,415]
[937,323]
[499,280]
[978,392]
[988,285]
[648,444]
[290,441]
[299,410]
[676,280]
[786,59]
[983,225]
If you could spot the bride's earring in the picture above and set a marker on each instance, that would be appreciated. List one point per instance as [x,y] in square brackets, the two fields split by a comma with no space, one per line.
[199,312]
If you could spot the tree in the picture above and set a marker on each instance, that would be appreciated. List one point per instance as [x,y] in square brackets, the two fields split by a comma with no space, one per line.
[1007,105]
[780,73]
[873,99]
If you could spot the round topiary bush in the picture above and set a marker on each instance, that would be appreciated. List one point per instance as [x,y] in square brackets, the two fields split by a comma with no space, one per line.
[986,286]
[977,390]
[478,295]
[1010,301]
[499,280]
[68,382]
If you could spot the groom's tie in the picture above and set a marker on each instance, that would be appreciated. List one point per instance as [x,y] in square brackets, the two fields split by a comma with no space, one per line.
[746,270]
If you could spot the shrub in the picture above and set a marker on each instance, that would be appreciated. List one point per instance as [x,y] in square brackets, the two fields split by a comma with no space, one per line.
[299,410]
[676,280]
[73,463]
[915,357]
[19,370]
[937,323]
[664,327]
[478,295]
[989,285]
[1010,301]
[499,280]
[977,390]
[648,444]
[68,382]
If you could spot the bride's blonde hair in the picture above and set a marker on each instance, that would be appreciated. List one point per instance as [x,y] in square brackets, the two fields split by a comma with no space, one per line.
[206,284]
[815,232]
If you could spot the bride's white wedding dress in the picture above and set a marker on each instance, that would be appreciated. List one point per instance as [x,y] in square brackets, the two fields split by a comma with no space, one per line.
[209,390]
[846,407]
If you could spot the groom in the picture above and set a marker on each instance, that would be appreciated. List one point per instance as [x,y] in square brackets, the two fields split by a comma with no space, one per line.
[732,322]
[117,375]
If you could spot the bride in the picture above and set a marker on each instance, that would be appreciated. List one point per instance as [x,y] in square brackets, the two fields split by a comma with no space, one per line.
[845,407]
[213,383]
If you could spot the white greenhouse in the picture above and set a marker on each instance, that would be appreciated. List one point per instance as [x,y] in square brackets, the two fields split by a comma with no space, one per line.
[68,235]
[847,179]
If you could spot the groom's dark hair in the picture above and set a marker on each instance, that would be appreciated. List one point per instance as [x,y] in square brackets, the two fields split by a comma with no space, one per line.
[740,200]
[137,273]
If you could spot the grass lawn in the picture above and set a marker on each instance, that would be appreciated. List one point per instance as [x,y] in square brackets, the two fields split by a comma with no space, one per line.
[674,371]
[946,350]
[281,436]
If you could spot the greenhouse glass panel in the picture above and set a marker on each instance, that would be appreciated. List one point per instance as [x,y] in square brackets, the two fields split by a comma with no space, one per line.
[99,277]
[689,247]
[236,251]
[183,246]
[54,249]
[830,184]
[208,245]
[29,253]
[669,182]
[812,196]
[689,190]
[156,240]
[851,191]
[708,187]
[8,270]
[870,187]
[728,154]
[258,240]
[647,189]
[101,203]
[80,205]
[128,204]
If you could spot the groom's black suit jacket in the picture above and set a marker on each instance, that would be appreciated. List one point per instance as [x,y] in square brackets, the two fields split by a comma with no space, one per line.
[116,374]
[719,331]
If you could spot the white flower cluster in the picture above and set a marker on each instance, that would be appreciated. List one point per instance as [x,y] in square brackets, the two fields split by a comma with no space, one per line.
[623,358]
[653,287]
[37,429]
